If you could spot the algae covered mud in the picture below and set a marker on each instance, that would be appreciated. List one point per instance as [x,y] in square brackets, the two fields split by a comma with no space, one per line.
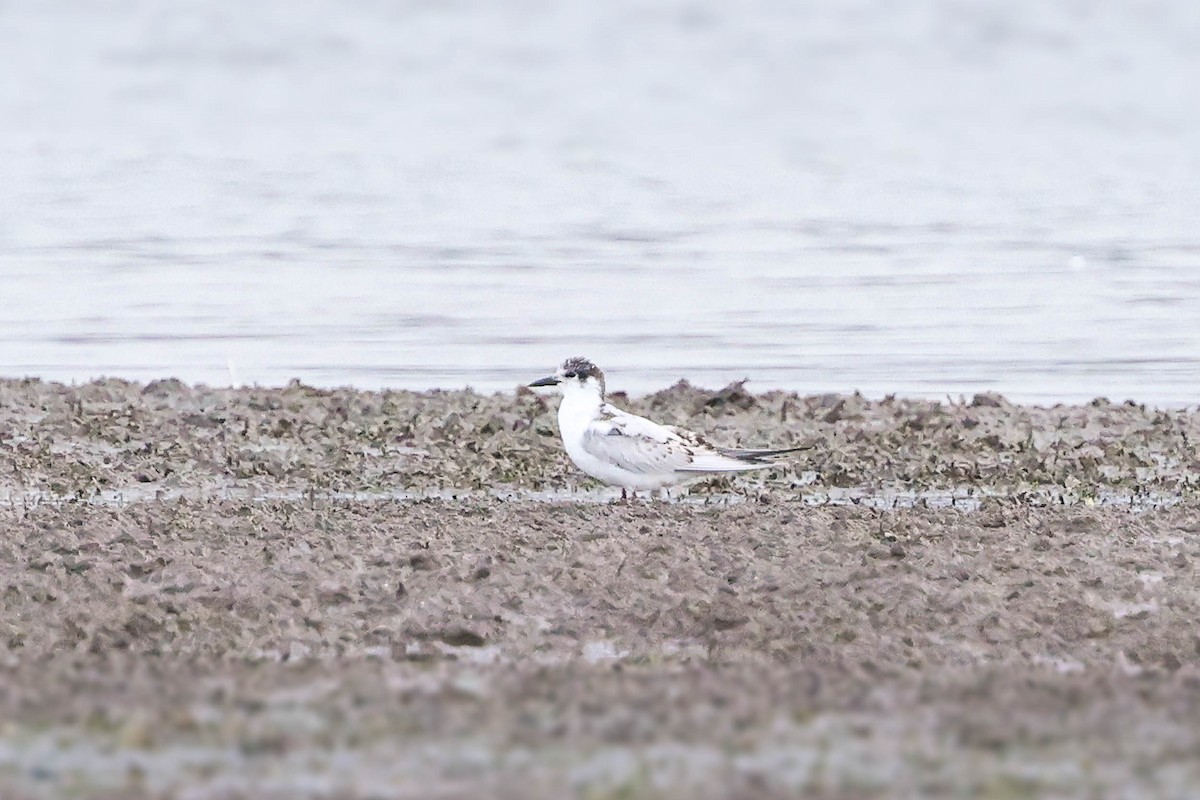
[120,441]
[215,593]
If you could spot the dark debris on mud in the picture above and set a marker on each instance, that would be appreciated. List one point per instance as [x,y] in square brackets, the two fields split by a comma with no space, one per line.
[115,435]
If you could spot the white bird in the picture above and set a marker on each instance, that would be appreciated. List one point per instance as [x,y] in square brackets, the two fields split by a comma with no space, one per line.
[629,451]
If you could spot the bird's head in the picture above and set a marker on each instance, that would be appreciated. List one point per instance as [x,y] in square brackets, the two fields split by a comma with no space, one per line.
[576,376]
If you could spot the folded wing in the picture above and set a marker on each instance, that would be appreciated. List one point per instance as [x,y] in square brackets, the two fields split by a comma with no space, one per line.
[639,445]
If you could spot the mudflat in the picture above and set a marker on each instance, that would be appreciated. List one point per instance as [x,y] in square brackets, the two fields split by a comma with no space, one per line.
[293,592]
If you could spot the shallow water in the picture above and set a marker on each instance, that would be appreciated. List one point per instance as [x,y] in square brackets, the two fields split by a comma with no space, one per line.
[923,199]
[844,749]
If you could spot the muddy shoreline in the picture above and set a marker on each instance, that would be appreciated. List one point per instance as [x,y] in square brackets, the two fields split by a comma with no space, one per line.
[207,593]
[116,436]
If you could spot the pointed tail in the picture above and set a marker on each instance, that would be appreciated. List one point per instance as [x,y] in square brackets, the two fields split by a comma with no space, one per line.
[755,456]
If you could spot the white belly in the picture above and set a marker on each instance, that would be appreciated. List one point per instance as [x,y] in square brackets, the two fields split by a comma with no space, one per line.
[615,475]
[573,420]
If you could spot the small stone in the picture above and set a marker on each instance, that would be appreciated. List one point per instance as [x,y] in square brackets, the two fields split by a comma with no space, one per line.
[987,400]
[421,561]
[460,637]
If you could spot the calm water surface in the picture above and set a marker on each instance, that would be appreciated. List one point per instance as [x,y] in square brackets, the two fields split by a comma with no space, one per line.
[926,198]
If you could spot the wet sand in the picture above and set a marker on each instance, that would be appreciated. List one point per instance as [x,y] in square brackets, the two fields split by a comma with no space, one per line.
[215,593]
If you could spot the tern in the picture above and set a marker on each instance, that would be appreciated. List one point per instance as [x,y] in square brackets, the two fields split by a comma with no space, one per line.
[637,454]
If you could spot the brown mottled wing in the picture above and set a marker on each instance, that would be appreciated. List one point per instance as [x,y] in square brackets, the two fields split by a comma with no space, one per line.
[647,448]
[636,444]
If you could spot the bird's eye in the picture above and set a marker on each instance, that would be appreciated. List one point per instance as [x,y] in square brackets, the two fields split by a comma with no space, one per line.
[570,374]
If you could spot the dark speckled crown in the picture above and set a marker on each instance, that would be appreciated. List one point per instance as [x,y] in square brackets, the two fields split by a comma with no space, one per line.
[583,369]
